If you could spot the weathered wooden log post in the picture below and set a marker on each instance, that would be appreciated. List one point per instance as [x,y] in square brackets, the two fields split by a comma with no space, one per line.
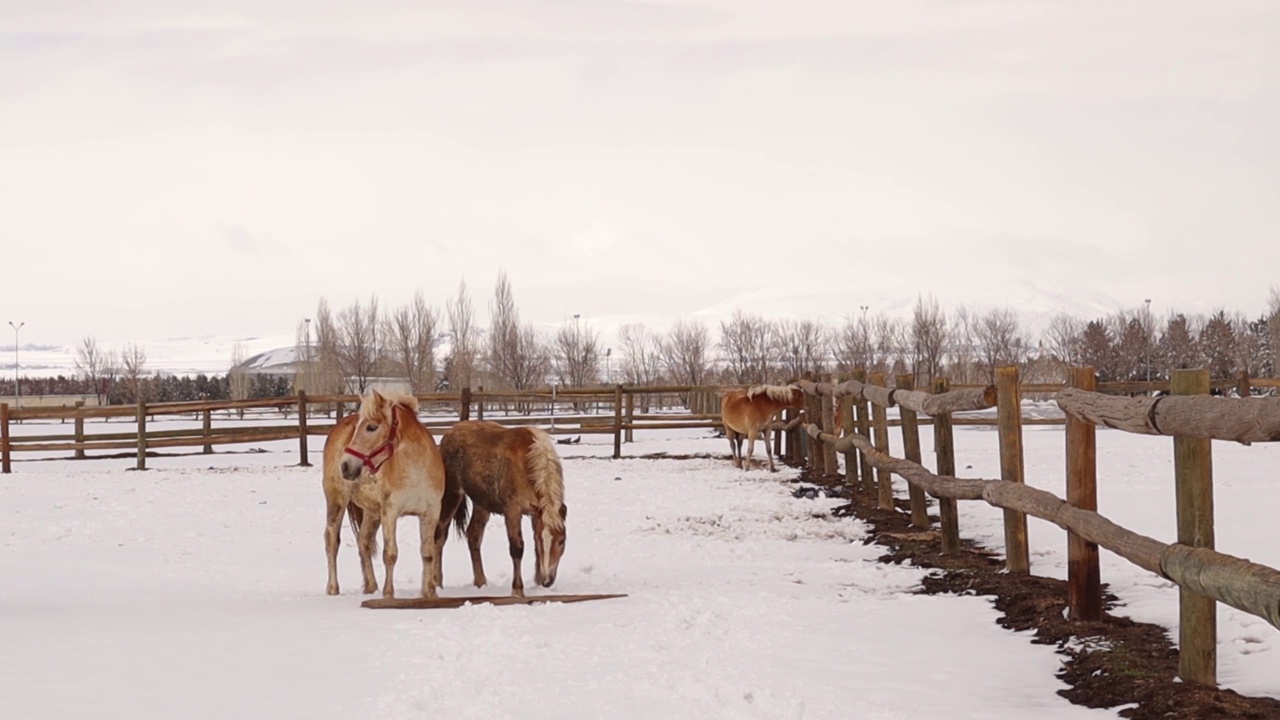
[829,463]
[851,455]
[1193,475]
[864,429]
[1084,578]
[880,419]
[142,435]
[480,403]
[911,451]
[1009,414]
[5,466]
[945,450]
[303,454]
[79,451]
[813,411]
[631,417]
[464,404]
[208,431]
[617,421]
[1244,387]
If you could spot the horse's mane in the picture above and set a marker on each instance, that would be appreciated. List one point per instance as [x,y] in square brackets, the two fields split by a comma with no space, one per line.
[404,400]
[781,393]
[548,477]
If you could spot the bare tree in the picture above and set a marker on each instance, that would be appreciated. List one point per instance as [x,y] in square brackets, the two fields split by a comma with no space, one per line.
[999,340]
[853,344]
[746,348]
[237,378]
[304,375]
[360,342]
[464,340]
[1273,329]
[800,346]
[533,360]
[91,364]
[928,338]
[577,354]
[1064,337]
[685,352]
[504,333]
[328,352]
[641,354]
[133,360]
[412,335]
[888,344]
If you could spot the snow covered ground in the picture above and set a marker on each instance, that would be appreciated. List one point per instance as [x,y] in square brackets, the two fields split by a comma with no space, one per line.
[196,589]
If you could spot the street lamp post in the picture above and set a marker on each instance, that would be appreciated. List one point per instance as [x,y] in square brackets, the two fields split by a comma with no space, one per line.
[17,392]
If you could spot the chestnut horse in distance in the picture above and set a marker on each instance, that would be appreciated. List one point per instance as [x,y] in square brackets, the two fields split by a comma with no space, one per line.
[746,413]
[393,467]
[510,472]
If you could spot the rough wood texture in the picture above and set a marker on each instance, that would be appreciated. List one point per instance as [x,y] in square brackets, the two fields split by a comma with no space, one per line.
[884,478]
[830,465]
[1219,418]
[617,421]
[1242,584]
[79,429]
[1009,411]
[945,453]
[1193,479]
[304,457]
[936,403]
[457,602]
[1084,579]
[911,450]
[208,430]
[880,396]
[864,429]
[142,436]
[5,466]
[850,456]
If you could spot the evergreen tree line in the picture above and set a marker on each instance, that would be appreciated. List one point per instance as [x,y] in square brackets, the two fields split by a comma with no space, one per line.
[156,388]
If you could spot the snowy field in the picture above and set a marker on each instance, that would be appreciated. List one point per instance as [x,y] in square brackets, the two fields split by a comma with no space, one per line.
[196,589]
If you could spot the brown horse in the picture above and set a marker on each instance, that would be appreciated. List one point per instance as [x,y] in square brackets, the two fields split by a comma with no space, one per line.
[394,465]
[745,413]
[511,472]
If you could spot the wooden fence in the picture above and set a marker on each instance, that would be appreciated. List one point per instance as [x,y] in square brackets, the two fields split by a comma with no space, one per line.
[1203,575]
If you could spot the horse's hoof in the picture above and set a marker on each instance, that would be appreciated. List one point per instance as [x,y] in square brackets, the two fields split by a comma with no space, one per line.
[388,593]
[480,582]
[370,589]
[331,590]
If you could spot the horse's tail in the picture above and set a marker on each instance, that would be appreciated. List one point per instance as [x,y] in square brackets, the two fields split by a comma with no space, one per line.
[460,517]
[355,514]
[548,477]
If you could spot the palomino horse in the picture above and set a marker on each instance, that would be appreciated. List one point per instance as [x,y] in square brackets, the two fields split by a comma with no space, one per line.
[745,413]
[391,456]
[358,500]
[511,472]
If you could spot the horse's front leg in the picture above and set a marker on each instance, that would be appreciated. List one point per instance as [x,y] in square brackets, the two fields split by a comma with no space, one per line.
[515,540]
[390,551]
[735,446]
[366,541]
[427,528]
[768,449]
[751,449]
[332,540]
[538,550]
[475,536]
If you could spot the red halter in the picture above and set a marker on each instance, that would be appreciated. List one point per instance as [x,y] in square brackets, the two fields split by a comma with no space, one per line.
[387,447]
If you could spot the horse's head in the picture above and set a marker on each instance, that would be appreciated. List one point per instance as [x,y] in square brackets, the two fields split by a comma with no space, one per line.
[553,542]
[796,401]
[373,439]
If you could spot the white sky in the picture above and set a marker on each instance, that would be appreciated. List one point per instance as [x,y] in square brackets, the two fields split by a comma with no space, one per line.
[173,169]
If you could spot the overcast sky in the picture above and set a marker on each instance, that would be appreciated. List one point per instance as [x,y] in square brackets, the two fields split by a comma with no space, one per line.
[176,168]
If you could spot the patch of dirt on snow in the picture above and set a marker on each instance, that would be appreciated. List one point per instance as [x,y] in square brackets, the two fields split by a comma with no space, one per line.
[1107,664]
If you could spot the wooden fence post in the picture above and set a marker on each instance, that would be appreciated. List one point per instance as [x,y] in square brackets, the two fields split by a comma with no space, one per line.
[945,449]
[911,451]
[864,429]
[1193,471]
[1084,578]
[142,435]
[813,414]
[79,451]
[208,431]
[1009,413]
[1243,385]
[617,421]
[480,403]
[793,446]
[829,463]
[302,429]
[880,419]
[631,417]
[464,404]
[851,455]
[5,467]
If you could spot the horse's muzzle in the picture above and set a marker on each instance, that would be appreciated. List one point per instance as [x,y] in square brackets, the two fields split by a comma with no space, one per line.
[351,469]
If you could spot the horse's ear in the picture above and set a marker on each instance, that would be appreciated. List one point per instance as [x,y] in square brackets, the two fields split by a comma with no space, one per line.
[564,511]
[379,401]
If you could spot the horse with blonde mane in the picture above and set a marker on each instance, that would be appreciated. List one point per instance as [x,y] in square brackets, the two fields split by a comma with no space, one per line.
[746,413]
[393,467]
[511,472]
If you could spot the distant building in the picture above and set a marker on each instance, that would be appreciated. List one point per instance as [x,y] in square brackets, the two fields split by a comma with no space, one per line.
[284,363]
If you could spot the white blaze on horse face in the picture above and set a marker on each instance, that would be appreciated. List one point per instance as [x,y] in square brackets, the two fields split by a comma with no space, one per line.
[553,548]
